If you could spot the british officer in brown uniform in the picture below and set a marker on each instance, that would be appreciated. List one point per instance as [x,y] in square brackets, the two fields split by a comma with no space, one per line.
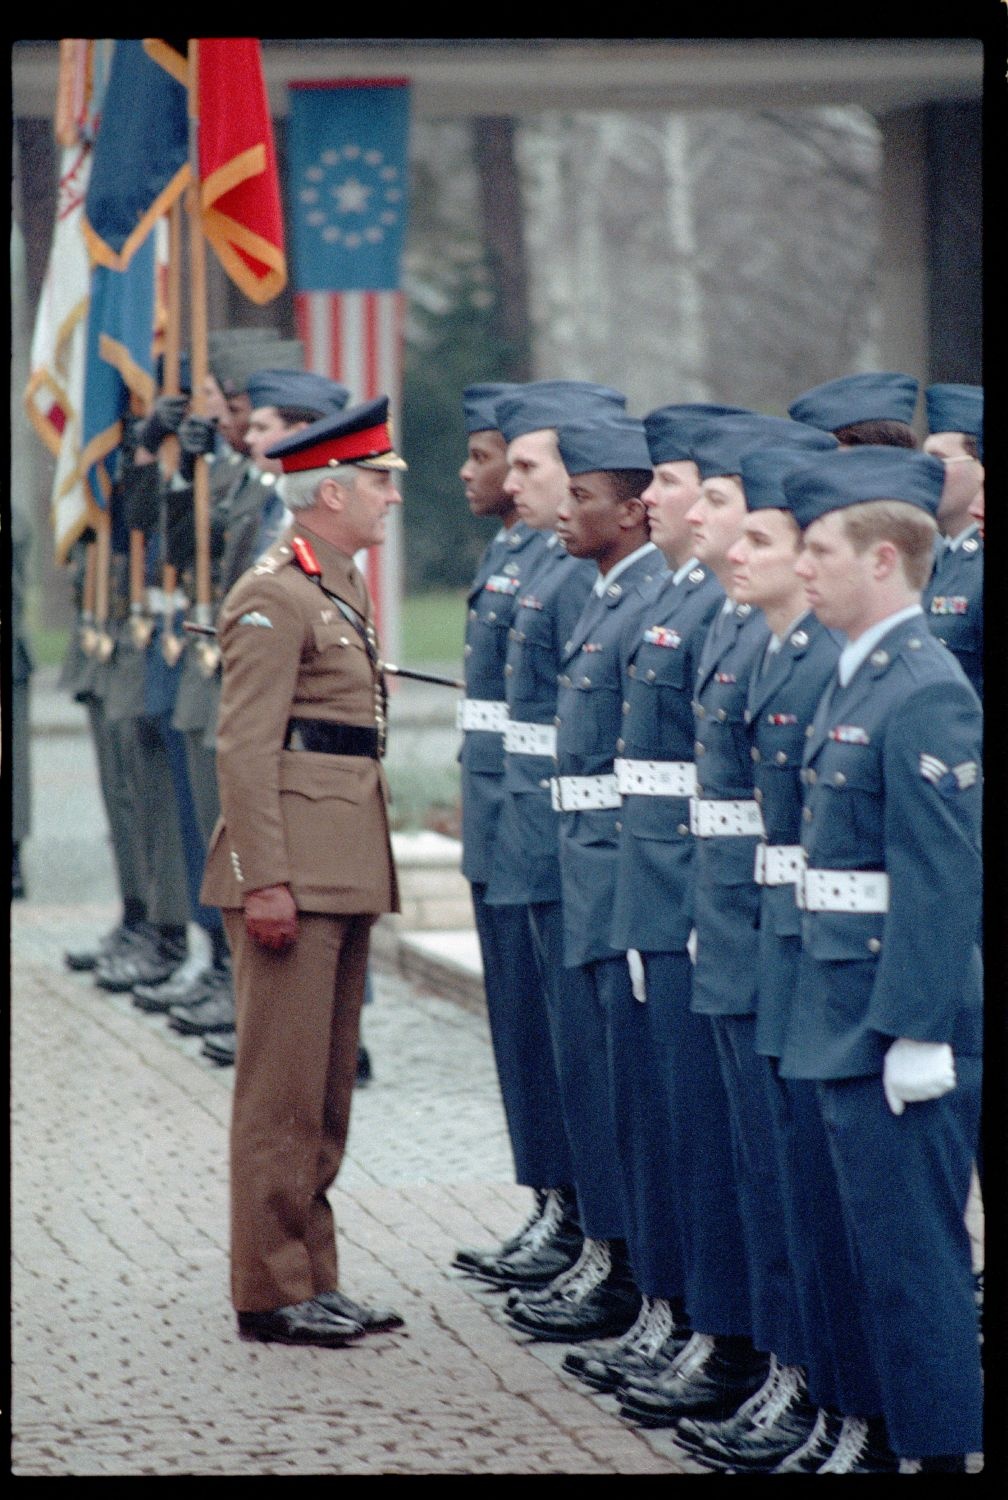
[301,864]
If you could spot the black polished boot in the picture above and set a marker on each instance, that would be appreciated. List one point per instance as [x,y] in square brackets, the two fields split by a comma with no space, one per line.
[711,1378]
[468,1260]
[551,1246]
[766,1430]
[649,1347]
[595,1299]
[862,1448]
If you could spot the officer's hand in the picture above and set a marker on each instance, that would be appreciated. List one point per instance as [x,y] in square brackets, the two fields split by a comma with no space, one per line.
[164,418]
[197,436]
[271,917]
[636,966]
[915,1071]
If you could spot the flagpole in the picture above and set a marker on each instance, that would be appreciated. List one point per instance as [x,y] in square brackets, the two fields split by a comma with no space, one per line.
[198,342]
[172,645]
[103,528]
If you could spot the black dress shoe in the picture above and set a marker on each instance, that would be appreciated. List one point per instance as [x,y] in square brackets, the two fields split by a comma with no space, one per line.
[611,1374]
[469,1259]
[371,1319]
[817,1447]
[592,1362]
[149,964]
[83,960]
[216,1012]
[551,1246]
[180,989]
[301,1323]
[705,1381]
[220,1048]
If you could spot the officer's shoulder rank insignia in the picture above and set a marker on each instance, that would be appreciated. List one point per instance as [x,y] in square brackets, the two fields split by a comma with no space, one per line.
[849,734]
[948,779]
[253,617]
[662,635]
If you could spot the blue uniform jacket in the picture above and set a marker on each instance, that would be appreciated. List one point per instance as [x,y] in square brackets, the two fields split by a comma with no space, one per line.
[953,602]
[780,709]
[493,598]
[726,898]
[653,902]
[892,771]
[589,720]
[526,868]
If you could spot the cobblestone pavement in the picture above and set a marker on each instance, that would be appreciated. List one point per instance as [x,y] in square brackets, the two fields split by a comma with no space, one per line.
[125,1359]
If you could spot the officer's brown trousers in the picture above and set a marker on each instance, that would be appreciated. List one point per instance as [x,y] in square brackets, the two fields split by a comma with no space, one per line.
[298,1022]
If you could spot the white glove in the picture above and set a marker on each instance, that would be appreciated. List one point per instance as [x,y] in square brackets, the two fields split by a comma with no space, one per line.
[636,966]
[915,1071]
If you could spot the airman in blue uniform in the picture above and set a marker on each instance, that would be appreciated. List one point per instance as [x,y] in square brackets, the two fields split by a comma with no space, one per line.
[602,519]
[887,1012]
[516,1008]
[953,597]
[655,1036]
[523,882]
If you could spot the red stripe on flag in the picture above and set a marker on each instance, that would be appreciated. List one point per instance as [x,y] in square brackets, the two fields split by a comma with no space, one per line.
[336,371]
[371,352]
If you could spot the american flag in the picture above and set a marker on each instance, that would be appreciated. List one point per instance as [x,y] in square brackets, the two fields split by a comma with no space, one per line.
[348,186]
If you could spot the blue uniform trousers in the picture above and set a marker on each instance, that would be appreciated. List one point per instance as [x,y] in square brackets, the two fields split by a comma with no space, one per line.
[523,1048]
[840,1368]
[774,1312]
[716,1287]
[577,1000]
[638,1033]
[903,1181]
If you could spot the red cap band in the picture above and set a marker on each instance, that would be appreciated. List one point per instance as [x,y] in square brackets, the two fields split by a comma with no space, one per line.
[370,442]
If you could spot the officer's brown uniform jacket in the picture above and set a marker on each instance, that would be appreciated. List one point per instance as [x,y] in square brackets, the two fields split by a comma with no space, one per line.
[315,822]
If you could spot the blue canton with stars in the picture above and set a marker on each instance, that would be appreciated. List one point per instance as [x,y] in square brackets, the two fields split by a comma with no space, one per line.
[348,177]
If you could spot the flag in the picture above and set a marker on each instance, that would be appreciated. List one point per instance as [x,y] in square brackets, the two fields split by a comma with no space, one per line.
[348,187]
[239,186]
[118,360]
[140,164]
[54,395]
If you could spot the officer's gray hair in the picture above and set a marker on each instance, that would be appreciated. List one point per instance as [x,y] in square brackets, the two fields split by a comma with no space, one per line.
[300,491]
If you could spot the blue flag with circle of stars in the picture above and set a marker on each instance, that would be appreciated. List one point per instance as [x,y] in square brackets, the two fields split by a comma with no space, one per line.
[348,182]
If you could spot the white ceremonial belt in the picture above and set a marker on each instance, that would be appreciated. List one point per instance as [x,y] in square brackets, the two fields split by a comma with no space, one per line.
[581,793]
[843,890]
[779,864]
[713,818]
[521,738]
[482,713]
[656,778]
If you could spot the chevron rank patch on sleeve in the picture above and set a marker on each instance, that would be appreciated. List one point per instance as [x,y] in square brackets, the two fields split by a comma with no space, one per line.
[948,779]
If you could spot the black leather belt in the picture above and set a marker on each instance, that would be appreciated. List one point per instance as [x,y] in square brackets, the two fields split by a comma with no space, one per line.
[325,738]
